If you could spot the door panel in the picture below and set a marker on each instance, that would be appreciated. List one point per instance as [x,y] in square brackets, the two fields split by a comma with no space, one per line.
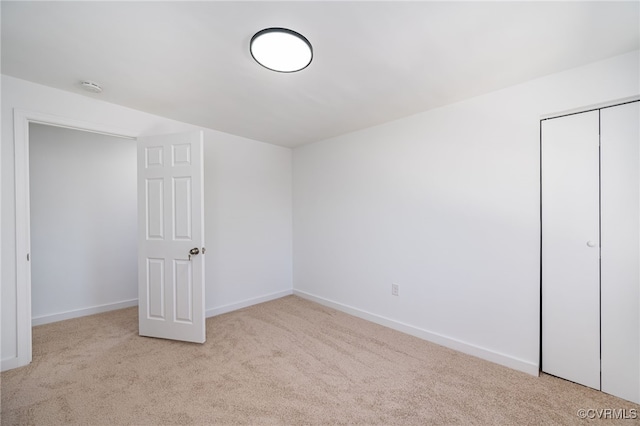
[154,209]
[620,212]
[182,209]
[155,288]
[171,281]
[570,248]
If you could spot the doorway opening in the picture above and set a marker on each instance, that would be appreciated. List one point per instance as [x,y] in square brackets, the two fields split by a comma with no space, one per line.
[21,123]
[83,206]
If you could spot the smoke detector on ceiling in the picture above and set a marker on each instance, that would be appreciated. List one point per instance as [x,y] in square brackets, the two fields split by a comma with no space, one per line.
[90,86]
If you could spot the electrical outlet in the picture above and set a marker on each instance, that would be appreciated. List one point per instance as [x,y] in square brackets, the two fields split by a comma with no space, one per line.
[394,289]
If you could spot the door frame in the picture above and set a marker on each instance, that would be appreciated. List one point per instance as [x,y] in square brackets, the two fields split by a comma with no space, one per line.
[21,121]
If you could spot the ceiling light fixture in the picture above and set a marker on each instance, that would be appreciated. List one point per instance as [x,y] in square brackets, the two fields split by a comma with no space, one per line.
[281,50]
[90,86]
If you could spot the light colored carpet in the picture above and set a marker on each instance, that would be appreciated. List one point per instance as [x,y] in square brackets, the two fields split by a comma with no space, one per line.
[288,361]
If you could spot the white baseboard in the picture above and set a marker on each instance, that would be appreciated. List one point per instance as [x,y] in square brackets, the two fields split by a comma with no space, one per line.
[247,302]
[467,348]
[46,319]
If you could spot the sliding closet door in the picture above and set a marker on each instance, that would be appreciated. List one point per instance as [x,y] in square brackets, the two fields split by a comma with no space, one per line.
[570,248]
[620,213]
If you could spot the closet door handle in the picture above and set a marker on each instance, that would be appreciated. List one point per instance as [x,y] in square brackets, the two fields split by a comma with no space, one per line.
[591,244]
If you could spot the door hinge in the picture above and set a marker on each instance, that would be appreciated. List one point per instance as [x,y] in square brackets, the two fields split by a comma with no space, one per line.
[27,257]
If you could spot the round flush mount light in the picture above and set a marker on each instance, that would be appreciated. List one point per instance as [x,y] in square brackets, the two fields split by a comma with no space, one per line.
[91,86]
[281,50]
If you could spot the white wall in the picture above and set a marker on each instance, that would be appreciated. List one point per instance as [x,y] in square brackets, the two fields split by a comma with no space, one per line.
[248,222]
[446,204]
[83,222]
[248,226]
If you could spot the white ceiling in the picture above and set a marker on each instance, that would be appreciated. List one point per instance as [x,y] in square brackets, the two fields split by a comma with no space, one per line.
[373,61]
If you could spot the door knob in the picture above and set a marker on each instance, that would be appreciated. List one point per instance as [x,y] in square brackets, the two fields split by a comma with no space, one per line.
[194,251]
[591,244]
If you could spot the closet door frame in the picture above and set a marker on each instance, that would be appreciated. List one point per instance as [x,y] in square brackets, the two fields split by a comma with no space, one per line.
[595,107]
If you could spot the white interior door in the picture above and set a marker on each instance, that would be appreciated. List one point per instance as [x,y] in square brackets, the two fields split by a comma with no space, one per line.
[620,212]
[170,232]
[570,248]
